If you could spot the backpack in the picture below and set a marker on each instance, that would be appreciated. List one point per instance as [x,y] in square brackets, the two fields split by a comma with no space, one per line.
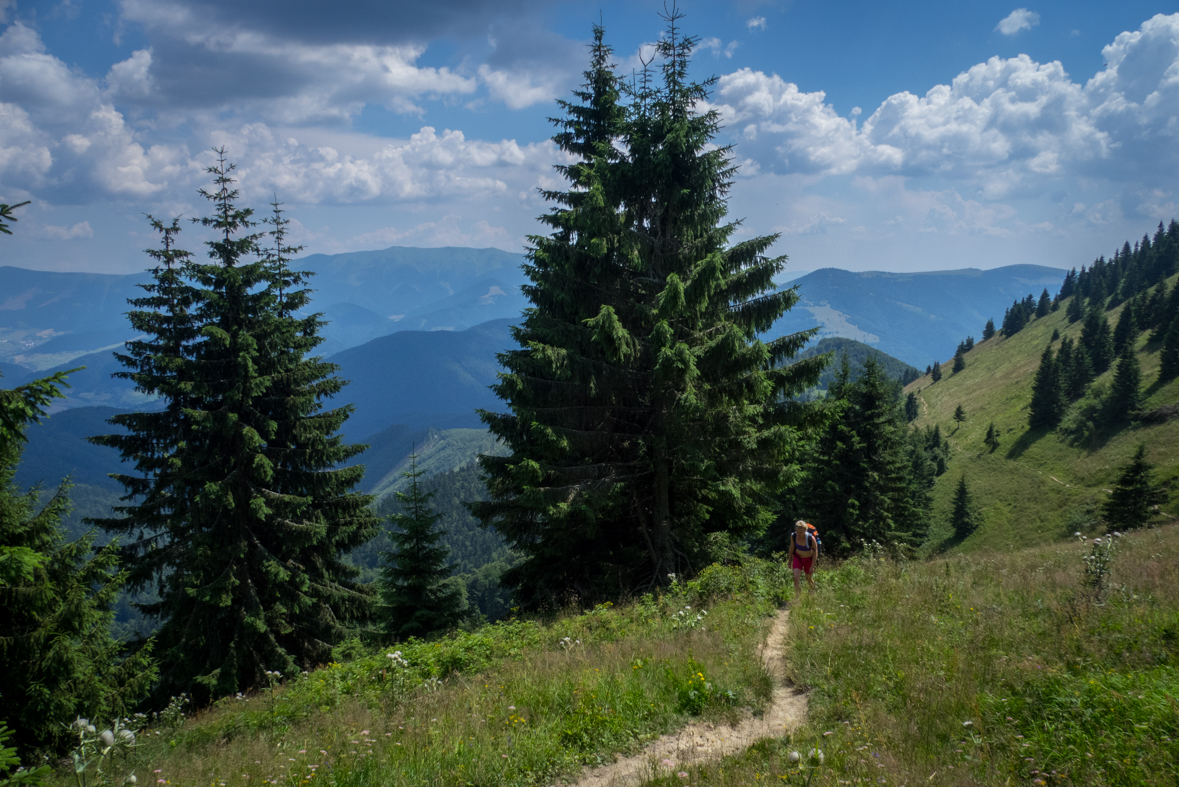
[813,532]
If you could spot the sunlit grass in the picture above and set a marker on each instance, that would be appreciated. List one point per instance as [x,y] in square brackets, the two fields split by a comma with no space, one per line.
[990,669]
[522,702]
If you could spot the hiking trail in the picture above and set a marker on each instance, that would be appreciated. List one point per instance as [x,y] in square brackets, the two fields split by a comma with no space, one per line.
[701,742]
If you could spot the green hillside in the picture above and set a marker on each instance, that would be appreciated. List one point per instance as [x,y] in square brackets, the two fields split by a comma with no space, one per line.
[1039,485]
[856,353]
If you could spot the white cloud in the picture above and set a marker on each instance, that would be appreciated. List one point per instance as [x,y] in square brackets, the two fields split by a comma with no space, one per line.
[756,23]
[1019,19]
[427,166]
[1006,124]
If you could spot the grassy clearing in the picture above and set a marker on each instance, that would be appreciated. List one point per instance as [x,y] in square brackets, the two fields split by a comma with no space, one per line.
[985,669]
[521,702]
[1039,486]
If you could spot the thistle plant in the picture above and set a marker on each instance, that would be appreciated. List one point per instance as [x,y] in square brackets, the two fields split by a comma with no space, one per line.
[97,751]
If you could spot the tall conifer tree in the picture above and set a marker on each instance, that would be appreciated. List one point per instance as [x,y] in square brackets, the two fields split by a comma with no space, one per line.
[1125,395]
[645,413]
[242,515]
[860,482]
[1134,497]
[963,516]
[1047,407]
[418,594]
[1097,340]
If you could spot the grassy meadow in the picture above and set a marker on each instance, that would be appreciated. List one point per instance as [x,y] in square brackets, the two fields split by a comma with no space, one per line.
[1039,486]
[994,668]
[518,702]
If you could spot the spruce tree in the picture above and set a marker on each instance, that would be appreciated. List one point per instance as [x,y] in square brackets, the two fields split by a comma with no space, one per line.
[1047,407]
[963,516]
[860,481]
[1127,328]
[1134,498]
[1096,338]
[936,371]
[644,412]
[1078,375]
[1044,305]
[988,329]
[912,407]
[56,652]
[418,594]
[1169,355]
[1076,309]
[1169,313]
[992,439]
[959,361]
[242,513]
[968,345]
[960,415]
[1125,395]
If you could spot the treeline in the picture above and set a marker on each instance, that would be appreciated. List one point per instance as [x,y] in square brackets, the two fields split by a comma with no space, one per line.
[1063,393]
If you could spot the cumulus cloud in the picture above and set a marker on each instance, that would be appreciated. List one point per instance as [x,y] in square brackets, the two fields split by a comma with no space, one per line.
[1019,19]
[427,166]
[1006,124]
[756,23]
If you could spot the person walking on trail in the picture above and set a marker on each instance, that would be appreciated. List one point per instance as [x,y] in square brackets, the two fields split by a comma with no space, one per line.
[803,550]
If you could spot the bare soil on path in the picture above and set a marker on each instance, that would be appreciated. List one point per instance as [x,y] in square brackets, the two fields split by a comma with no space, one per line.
[704,741]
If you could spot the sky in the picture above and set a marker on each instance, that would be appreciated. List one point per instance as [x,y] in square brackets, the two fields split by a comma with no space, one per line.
[869,136]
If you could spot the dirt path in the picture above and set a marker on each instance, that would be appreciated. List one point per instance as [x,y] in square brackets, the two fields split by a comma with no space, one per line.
[701,741]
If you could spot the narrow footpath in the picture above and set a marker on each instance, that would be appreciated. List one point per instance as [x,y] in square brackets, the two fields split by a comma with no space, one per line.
[700,741]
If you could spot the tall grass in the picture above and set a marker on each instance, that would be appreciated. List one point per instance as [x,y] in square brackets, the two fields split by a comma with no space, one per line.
[1012,668]
[522,702]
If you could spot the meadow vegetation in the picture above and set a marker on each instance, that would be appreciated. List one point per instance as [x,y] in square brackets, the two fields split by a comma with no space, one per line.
[523,701]
[1053,665]
[1039,485]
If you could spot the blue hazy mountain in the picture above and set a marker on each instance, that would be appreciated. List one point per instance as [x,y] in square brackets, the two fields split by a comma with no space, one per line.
[48,319]
[916,317]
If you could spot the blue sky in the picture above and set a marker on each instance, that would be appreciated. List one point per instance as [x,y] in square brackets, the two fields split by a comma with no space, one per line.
[915,136]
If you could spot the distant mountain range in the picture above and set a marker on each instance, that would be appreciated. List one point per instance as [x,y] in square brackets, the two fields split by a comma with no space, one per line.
[416,331]
[916,317]
[48,319]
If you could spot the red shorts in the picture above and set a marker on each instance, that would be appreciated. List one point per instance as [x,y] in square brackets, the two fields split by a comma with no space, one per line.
[805,563]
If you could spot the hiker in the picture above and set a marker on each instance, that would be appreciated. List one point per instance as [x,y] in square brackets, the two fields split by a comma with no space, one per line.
[804,547]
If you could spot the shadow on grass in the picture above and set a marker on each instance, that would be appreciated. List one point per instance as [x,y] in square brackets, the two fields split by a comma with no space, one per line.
[948,543]
[1027,440]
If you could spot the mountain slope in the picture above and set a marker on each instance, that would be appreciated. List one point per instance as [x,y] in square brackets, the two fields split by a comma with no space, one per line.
[856,353]
[49,318]
[422,378]
[1038,486]
[916,317]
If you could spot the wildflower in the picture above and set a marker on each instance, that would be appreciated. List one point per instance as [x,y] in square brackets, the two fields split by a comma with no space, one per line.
[968,724]
[682,774]
[108,738]
[794,756]
[828,732]
[667,763]
[817,756]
